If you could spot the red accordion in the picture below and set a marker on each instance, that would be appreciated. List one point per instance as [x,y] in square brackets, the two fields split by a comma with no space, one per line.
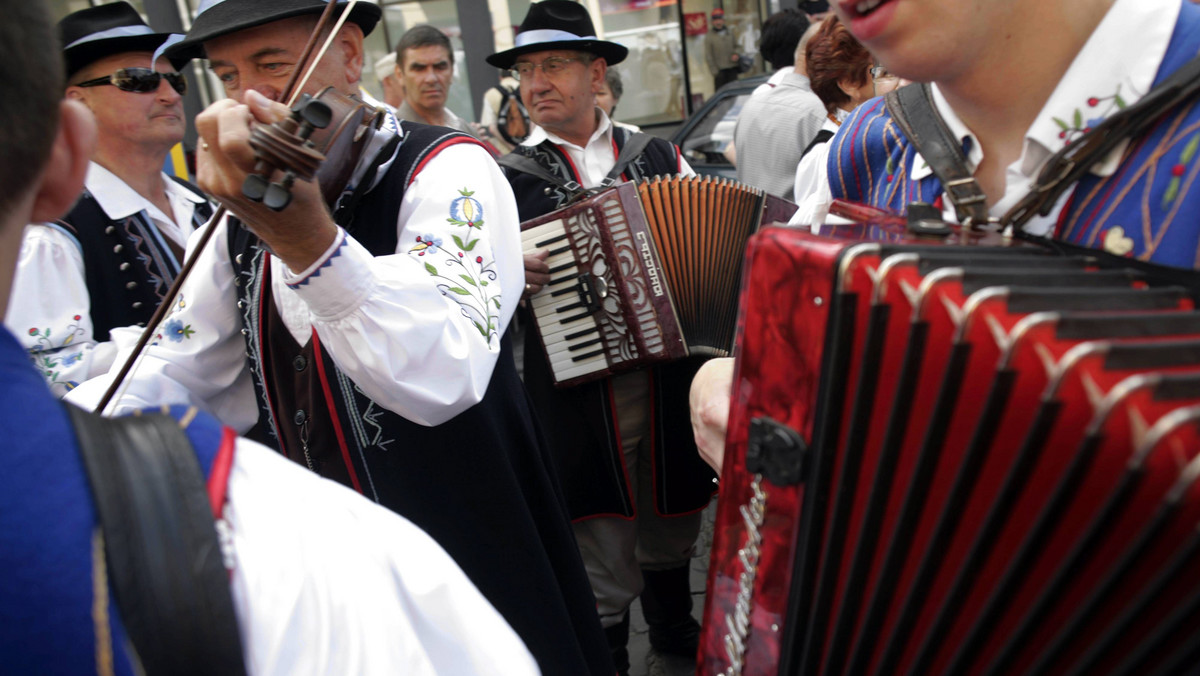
[956,455]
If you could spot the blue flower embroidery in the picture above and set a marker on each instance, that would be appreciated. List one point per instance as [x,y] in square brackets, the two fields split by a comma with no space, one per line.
[72,359]
[177,331]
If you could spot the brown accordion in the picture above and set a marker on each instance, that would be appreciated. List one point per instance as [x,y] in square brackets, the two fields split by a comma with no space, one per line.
[957,455]
[643,273]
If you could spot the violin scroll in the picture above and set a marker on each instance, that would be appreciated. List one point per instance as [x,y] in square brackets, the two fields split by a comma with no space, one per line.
[286,145]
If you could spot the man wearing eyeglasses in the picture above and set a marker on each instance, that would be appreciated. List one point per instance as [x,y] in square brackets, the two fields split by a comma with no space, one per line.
[633,486]
[108,264]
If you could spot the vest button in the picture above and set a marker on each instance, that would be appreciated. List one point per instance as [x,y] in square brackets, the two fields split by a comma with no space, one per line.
[117,248]
[241,305]
[124,267]
[109,230]
[237,281]
[300,418]
[137,305]
[142,324]
[547,191]
[300,363]
[131,285]
[245,332]
[238,259]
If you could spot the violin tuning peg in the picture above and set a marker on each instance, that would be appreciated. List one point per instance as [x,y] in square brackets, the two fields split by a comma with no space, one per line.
[316,113]
[277,197]
[254,187]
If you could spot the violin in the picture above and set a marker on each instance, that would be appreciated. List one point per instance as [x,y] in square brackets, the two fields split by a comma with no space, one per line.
[323,139]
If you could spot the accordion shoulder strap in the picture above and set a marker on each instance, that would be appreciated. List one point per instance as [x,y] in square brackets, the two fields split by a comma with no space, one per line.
[634,145]
[912,108]
[163,556]
[528,165]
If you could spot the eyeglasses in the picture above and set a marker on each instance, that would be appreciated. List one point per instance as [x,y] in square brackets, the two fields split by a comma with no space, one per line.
[881,74]
[551,66]
[139,80]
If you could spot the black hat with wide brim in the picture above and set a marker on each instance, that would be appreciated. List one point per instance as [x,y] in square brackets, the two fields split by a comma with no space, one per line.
[96,32]
[558,24]
[222,17]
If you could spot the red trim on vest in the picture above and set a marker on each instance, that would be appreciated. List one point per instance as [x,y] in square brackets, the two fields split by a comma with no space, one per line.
[612,406]
[337,424]
[218,478]
[429,154]
[262,360]
[571,163]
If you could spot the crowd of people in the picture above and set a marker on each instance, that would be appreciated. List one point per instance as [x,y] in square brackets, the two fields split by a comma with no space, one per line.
[387,492]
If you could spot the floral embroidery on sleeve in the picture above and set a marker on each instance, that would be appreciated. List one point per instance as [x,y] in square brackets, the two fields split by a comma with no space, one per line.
[173,328]
[51,356]
[463,276]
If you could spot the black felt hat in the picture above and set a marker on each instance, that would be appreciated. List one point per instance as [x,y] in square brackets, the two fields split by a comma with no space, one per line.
[221,17]
[96,32]
[558,24]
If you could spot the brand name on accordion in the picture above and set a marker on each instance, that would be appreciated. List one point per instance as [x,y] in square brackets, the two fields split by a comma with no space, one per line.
[648,259]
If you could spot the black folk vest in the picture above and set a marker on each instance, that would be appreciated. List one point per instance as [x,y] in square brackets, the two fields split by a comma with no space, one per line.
[481,484]
[128,265]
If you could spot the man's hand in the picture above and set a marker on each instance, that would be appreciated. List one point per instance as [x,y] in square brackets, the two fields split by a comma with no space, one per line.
[300,233]
[537,272]
[709,403]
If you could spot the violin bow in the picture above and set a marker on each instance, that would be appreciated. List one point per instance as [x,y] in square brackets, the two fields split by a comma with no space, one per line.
[291,91]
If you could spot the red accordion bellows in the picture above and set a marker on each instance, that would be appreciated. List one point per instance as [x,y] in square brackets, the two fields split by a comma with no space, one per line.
[958,455]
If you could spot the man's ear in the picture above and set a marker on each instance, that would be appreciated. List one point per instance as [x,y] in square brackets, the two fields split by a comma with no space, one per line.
[61,181]
[350,38]
[599,70]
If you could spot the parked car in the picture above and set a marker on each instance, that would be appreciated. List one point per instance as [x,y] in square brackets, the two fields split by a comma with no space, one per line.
[704,136]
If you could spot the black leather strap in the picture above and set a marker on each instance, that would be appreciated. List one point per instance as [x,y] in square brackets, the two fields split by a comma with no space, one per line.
[1068,165]
[528,165]
[634,146]
[912,108]
[161,548]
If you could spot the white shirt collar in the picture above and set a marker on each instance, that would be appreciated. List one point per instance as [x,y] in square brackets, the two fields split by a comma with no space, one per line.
[539,134]
[1120,59]
[118,200]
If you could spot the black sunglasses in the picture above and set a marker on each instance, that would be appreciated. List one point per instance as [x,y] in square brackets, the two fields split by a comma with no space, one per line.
[139,80]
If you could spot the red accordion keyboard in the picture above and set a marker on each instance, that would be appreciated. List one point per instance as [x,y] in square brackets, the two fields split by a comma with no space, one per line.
[957,455]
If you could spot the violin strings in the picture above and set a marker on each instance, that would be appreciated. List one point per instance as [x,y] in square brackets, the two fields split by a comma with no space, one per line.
[317,59]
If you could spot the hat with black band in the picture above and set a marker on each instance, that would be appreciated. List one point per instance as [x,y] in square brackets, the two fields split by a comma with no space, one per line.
[222,17]
[96,32]
[558,24]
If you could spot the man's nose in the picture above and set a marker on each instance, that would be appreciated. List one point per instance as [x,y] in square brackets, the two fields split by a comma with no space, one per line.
[166,93]
[263,88]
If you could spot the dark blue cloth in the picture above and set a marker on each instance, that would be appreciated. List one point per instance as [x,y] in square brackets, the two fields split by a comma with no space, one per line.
[46,524]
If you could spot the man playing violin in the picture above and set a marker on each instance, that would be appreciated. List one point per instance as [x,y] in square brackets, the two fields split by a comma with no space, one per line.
[364,339]
[109,262]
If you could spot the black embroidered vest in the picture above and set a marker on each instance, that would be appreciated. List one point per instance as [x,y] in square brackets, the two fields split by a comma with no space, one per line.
[536,197]
[127,266]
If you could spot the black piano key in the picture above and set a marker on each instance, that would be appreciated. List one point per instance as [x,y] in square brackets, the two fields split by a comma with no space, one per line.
[560,280]
[560,268]
[582,345]
[552,240]
[580,334]
[560,250]
[563,292]
[581,315]
[589,355]
[572,306]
